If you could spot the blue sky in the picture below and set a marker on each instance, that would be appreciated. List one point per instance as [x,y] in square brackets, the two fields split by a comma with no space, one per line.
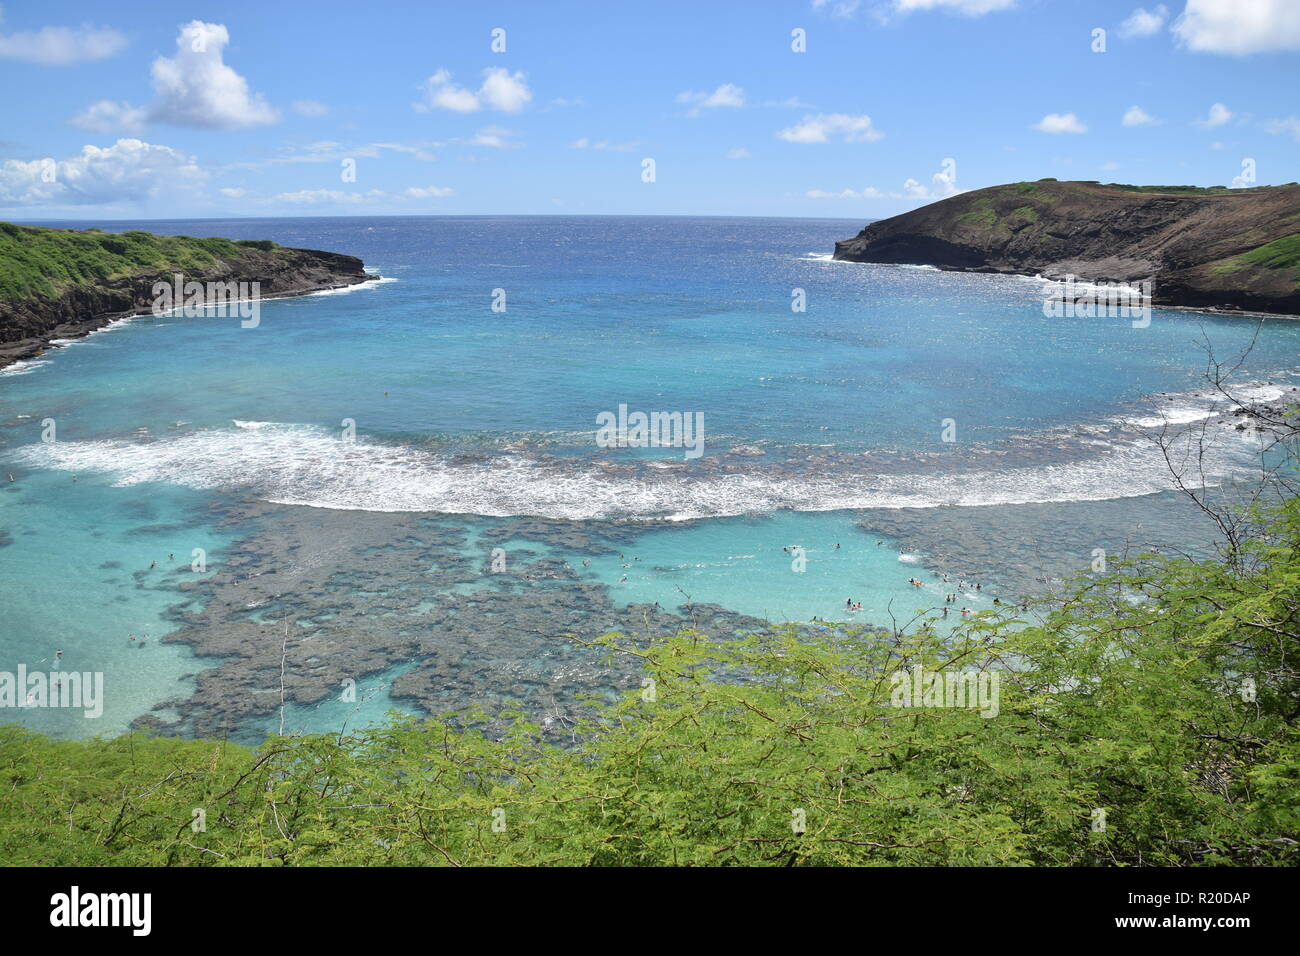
[176,110]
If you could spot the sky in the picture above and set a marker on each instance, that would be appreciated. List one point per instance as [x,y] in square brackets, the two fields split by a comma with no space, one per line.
[829,108]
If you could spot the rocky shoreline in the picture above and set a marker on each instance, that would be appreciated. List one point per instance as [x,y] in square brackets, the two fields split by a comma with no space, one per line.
[28,327]
[1228,251]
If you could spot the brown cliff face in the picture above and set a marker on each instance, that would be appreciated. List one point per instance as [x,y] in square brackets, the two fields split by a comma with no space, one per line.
[27,324]
[1205,248]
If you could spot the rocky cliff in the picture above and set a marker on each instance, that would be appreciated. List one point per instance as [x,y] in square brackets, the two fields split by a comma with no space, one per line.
[61,283]
[1232,249]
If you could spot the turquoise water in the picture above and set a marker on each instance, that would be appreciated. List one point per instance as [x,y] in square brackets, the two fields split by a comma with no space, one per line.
[178,433]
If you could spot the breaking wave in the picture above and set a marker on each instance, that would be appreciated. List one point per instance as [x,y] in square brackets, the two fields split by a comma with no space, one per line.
[310,466]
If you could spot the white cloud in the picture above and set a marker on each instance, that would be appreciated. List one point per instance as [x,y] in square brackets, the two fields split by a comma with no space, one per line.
[1060,123]
[944,184]
[971,8]
[822,127]
[327,151]
[1281,127]
[1239,27]
[496,137]
[129,170]
[869,192]
[313,197]
[500,90]
[340,197]
[504,91]
[445,95]
[1218,116]
[603,144]
[420,151]
[1144,23]
[728,94]
[1109,166]
[309,108]
[844,9]
[109,116]
[429,192]
[196,88]
[789,103]
[59,46]
[1137,116]
[738,152]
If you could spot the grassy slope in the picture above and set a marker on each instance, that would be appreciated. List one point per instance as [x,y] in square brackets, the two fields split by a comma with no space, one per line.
[40,262]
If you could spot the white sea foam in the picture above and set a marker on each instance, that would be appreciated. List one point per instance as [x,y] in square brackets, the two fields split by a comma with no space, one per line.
[24,367]
[306,465]
[1189,407]
[368,284]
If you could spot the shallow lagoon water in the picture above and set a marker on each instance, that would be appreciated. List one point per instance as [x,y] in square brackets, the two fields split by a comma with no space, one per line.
[822,427]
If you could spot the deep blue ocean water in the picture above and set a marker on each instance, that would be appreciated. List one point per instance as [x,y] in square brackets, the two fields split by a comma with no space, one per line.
[814,421]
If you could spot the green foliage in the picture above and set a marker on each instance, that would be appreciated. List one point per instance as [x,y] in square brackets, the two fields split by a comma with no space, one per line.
[983,215]
[1282,253]
[1180,190]
[40,262]
[1027,213]
[1126,697]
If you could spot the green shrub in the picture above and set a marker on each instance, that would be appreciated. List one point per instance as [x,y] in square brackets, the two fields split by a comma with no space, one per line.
[35,261]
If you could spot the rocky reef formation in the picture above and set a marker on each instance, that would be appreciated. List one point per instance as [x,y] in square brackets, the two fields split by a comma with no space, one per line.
[1219,248]
[62,283]
[406,605]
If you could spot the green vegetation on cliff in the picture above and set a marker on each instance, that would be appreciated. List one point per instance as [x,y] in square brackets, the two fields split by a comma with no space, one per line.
[1202,246]
[1150,719]
[36,261]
